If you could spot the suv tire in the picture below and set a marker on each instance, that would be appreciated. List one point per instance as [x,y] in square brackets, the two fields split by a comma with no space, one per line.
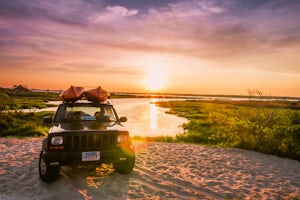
[47,173]
[125,167]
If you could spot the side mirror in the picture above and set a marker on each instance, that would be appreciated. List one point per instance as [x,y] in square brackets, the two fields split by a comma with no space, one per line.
[47,119]
[123,119]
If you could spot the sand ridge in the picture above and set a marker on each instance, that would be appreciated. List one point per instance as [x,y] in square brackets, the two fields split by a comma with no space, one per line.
[162,171]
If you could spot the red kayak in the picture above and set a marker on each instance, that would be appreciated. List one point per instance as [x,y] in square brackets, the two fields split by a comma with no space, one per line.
[72,93]
[97,94]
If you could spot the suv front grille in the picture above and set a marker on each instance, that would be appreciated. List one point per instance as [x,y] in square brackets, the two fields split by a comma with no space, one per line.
[86,141]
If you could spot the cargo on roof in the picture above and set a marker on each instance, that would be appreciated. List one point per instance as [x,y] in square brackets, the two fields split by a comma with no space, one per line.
[97,94]
[74,93]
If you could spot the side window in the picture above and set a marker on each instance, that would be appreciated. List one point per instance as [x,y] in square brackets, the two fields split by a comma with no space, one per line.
[109,113]
[60,113]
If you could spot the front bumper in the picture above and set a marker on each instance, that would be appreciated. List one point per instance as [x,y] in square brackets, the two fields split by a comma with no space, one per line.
[65,158]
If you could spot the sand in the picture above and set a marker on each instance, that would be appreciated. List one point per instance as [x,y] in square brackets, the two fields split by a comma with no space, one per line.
[162,171]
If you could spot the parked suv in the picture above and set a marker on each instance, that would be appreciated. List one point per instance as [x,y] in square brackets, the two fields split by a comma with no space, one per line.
[84,132]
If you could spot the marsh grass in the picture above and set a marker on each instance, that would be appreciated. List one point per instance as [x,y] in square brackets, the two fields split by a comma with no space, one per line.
[20,97]
[271,127]
[20,124]
[14,122]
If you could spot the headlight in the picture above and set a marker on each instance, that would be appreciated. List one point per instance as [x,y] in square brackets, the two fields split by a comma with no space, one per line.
[122,138]
[57,140]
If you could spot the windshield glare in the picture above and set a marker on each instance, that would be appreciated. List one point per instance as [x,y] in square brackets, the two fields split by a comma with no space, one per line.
[86,113]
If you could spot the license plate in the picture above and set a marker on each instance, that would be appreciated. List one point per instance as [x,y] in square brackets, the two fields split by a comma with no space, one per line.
[91,156]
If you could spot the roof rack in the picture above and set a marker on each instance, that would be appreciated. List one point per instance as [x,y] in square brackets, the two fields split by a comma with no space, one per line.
[74,101]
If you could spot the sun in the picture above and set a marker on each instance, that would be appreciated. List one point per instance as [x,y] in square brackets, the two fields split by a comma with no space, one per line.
[154,80]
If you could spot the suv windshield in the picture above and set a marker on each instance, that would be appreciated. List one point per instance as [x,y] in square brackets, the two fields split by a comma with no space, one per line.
[85,112]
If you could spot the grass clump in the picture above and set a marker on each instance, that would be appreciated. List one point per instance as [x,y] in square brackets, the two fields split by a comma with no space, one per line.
[154,138]
[267,127]
[19,97]
[14,122]
[20,124]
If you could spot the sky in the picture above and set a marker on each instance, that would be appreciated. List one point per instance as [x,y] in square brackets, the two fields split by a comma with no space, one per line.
[185,46]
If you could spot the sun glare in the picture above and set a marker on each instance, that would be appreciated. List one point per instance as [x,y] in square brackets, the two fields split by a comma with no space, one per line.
[155,80]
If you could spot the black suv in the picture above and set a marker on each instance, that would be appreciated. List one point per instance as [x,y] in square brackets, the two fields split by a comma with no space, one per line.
[84,132]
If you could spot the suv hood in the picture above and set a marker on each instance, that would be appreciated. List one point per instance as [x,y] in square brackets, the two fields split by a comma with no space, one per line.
[86,127]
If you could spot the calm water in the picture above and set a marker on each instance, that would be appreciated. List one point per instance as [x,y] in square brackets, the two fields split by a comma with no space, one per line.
[144,118]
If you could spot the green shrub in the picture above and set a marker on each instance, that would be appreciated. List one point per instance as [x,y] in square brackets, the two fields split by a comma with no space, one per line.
[267,127]
[23,124]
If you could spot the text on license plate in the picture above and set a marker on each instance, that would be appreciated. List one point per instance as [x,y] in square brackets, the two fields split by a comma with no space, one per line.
[91,156]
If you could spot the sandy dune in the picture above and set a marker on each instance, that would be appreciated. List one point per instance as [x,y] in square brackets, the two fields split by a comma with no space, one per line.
[162,171]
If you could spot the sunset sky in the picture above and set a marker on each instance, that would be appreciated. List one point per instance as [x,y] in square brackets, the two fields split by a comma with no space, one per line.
[185,46]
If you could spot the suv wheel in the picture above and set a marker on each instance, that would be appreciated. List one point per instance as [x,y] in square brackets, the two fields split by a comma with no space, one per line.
[47,173]
[125,167]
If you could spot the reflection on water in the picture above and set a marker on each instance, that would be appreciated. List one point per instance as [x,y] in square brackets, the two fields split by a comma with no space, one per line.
[147,119]
[153,116]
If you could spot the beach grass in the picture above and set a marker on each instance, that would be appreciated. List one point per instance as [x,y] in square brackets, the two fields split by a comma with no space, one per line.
[16,123]
[271,127]
[19,97]
[21,124]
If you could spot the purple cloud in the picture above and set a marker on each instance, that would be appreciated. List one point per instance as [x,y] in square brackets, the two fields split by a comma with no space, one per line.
[215,30]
